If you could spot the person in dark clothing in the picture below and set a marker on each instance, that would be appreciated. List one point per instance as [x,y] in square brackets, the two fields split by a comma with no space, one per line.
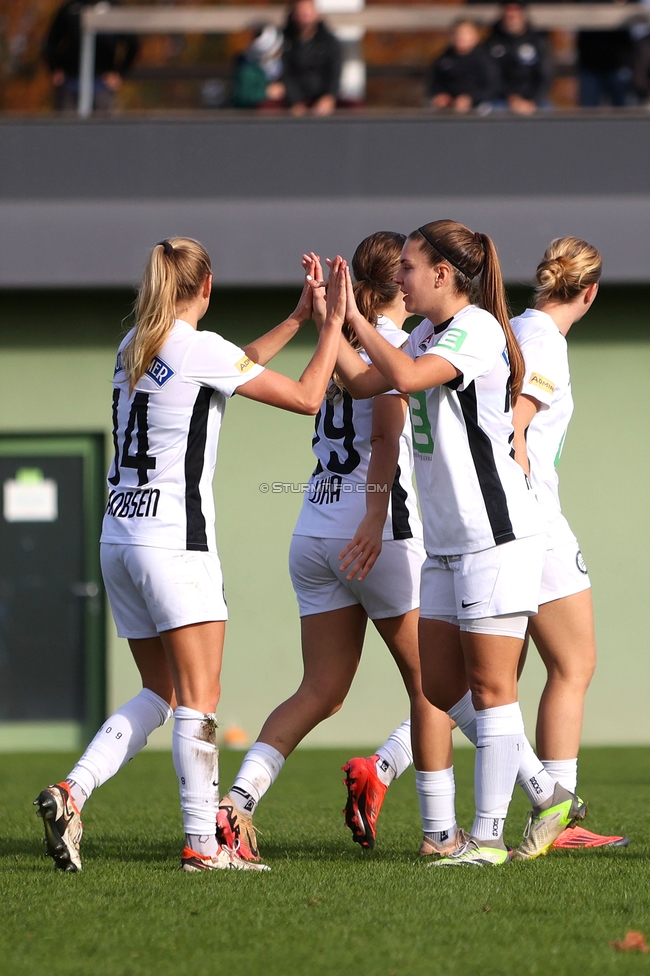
[605,67]
[311,61]
[463,77]
[640,31]
[114,55]
[522,58]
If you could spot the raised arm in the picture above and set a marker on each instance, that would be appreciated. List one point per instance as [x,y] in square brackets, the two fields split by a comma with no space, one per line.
[306,394]
[262,350]
[522,416]
[400,371]
[388,415]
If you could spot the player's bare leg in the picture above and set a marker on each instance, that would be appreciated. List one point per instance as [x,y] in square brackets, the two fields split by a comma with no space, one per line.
[430,741]
[122,736]
[564,634]
[194,656]
[332,643]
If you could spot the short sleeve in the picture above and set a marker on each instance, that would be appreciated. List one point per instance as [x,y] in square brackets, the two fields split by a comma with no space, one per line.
[541,377]
[213,361]
[418,339]
[473,346]
[397,339]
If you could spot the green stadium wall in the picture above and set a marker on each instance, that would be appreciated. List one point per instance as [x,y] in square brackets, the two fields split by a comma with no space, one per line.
[56,357]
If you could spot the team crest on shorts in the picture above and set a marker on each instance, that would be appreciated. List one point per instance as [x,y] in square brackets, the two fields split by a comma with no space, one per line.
[580,562]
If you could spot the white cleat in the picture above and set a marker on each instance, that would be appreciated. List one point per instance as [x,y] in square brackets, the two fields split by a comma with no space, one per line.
[432,848]
[63,826]
[224,860]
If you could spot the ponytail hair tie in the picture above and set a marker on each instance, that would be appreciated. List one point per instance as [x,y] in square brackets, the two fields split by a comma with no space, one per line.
[369,280]
[168,249]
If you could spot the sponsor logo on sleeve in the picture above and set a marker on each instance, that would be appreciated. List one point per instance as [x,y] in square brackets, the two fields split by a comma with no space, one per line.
[542,382]
[580,563]
[159,371]
[244,364]
[118,365]
[452,339]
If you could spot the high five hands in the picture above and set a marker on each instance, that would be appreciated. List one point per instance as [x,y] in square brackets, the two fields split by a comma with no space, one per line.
[320,288]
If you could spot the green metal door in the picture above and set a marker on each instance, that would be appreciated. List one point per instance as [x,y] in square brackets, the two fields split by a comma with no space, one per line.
[52,627]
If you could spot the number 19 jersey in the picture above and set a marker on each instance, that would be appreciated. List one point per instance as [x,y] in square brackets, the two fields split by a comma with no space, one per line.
[165,435]
[335,500]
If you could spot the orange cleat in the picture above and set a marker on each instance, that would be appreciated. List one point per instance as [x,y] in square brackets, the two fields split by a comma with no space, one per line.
[366,794]
[575,838]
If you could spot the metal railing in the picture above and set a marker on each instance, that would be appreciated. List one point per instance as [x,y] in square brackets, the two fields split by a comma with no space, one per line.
[102,19]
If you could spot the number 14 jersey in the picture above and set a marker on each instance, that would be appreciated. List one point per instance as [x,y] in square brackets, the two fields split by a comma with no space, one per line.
[165,435]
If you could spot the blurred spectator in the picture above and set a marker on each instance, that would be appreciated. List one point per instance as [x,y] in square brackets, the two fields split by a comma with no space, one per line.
[605,60]
[257,71]
[114,55]
[522,58]
[311,61]
[640,31]
[464,76]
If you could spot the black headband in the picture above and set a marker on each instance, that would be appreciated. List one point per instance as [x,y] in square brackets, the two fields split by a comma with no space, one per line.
[169,250]
[430,240]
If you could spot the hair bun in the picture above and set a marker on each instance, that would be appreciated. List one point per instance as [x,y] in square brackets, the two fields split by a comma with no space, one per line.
[568,266]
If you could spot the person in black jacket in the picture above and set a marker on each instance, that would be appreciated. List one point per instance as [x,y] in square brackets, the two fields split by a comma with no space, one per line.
[463,77]
[605,67]
[311,61]
[114,55]
[522,58]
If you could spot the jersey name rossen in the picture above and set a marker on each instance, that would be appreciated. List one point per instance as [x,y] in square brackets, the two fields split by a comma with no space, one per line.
[244,364]
[542,382]
[133,504]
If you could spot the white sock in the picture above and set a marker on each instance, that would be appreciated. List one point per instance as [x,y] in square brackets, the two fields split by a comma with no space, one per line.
[501,735]
[196,761]
[437,797]
[260,769]
[120,738]
[464,716]
[536,783]
[563,771]
[396,754]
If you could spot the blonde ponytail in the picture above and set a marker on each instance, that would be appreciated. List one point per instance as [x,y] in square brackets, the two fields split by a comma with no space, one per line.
[474,263]
[175,273]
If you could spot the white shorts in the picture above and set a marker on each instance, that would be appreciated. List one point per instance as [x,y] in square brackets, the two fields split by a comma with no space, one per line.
[151,590]
[391,588]
[502,580]
[564,573]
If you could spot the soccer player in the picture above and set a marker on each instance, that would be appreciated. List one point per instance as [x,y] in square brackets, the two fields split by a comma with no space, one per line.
[361,490]
[483,530]
[158,549]
[563,629]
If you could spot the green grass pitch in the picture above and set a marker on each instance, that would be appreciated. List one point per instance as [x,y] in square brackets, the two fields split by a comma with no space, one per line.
[326,907]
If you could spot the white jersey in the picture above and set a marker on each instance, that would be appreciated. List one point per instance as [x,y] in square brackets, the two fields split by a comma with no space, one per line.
[335,500]
[165,435]
[548,381]
[472,492]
